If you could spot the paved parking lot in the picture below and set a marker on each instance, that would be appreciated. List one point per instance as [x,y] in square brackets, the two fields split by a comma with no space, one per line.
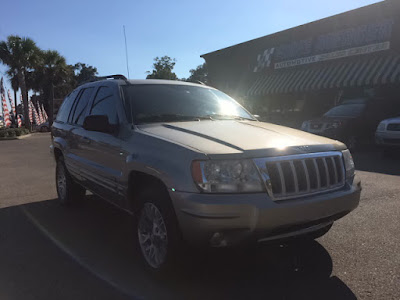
[86,252]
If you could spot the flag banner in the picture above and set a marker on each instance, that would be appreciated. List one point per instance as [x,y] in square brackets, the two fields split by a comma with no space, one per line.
[40,114]
[19,121]
[30,111]
[7,121]
[12,104]
[44,113]
[35,113]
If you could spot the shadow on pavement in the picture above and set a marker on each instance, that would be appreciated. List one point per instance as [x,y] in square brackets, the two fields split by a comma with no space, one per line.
[376,161]
[100,238]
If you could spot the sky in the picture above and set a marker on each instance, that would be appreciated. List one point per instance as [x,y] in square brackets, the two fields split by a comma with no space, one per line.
[92,31]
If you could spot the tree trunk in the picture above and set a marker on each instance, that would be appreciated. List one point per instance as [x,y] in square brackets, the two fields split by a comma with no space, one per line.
[22,84]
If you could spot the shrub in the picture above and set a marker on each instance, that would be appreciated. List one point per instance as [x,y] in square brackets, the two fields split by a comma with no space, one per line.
[26,131]
[3,133]
[18,131]
[11,132]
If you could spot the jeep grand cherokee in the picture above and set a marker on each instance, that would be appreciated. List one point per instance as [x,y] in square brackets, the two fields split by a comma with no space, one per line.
[193,166]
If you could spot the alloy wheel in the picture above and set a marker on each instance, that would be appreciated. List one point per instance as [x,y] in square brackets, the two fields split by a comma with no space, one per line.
[152,234]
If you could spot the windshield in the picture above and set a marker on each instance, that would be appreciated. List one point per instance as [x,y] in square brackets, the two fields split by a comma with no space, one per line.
[162,103]
[348,110]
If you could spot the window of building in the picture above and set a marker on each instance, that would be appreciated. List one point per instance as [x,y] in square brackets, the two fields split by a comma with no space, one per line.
[104,104]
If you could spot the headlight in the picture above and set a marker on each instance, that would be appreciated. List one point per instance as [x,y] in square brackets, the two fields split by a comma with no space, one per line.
[227,176]
[349,165]
[304,126]
[381,127]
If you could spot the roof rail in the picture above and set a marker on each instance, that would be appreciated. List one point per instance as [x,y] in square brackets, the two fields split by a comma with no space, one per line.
[97,78]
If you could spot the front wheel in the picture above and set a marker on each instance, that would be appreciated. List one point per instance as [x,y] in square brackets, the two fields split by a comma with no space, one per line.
[68,191]
[157,232]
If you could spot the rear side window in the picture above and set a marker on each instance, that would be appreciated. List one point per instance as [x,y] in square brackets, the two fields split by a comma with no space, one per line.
[66,106]
[104,104]
[80,107]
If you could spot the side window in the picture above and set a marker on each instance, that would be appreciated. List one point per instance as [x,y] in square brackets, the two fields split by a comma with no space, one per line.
[80,107]
[66,106]
[104,104]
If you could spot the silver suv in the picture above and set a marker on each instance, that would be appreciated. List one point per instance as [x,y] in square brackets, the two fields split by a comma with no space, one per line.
[194,167]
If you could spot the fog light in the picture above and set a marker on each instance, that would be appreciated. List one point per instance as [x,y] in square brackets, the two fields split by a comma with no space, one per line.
[217,240]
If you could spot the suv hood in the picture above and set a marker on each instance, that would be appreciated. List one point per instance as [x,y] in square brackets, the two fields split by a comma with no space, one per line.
[230,137]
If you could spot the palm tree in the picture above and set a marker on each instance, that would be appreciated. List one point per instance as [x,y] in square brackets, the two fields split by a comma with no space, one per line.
[14,85]
[52,71]
[20,54]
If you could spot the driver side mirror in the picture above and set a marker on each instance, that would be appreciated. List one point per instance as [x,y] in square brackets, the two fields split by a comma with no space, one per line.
[98,123]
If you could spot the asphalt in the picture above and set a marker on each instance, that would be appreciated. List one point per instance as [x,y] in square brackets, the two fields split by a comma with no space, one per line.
[87,252]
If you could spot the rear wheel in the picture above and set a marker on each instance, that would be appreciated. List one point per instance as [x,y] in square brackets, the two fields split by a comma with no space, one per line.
[158,234]
[68,191]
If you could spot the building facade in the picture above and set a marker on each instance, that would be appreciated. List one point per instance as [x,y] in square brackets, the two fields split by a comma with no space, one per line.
[300,73]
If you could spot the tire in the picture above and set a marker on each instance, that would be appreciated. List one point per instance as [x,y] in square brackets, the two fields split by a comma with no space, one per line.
[68,191]
[158,236]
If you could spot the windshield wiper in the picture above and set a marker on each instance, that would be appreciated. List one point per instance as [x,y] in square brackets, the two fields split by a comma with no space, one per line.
[169,118]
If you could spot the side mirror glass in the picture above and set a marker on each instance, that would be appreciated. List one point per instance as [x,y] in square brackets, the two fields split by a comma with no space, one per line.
[98,123]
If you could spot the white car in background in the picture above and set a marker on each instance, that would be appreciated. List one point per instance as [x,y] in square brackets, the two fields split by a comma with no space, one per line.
[388,133]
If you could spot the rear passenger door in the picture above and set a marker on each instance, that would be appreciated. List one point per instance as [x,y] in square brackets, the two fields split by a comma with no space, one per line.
[77,140]
[103,149]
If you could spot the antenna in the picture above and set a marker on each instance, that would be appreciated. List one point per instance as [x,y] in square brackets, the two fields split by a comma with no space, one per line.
[126,52]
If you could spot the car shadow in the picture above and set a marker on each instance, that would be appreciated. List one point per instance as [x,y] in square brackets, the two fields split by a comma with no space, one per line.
[100,237]
[375,161]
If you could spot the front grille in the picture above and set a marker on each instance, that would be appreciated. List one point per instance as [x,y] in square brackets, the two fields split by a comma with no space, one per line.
[393,127]
[301,175]
[315,126]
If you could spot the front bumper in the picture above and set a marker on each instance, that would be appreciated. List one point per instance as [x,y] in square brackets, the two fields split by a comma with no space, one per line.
[237,218]
[388,138]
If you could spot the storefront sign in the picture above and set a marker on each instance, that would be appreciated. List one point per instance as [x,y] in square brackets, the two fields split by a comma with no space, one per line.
[333,55]
[362,39]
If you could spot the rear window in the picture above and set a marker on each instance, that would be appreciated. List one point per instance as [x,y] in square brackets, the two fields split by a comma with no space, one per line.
[80,107]
[66,106]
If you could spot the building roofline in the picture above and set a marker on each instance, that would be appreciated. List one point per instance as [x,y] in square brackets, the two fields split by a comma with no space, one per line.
[294,28]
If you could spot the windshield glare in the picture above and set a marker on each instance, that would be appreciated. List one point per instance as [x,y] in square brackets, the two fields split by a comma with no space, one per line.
[348,110]
[157,103]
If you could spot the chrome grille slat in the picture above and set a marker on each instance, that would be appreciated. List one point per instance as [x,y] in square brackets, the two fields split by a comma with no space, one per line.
[302,175]
[335,170]
[317,172]
[303,162]
[283,183]
[326,173]
[295,179]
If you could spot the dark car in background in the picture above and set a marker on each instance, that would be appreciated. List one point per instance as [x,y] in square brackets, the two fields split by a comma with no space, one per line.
[353,122]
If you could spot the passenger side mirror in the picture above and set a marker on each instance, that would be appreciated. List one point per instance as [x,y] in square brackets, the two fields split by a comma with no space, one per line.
[98,123]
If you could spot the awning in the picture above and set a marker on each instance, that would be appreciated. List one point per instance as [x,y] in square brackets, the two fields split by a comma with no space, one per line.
[362,72]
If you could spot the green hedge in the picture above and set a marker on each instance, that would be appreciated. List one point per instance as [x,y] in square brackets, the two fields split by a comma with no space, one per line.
[13,132]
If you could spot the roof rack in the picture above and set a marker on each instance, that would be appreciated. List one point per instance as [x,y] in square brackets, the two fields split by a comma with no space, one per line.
[97,78]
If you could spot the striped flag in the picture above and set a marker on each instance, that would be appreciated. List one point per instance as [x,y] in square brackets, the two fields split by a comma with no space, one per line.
[35,113]
[6,113]
[44,113]
[19,121]
[11,103]
[40,115]
[30,111]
